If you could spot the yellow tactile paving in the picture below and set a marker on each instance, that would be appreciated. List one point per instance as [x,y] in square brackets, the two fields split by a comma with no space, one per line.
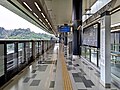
[66,78]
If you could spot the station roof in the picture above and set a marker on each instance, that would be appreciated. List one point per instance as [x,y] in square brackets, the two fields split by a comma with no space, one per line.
[46,14]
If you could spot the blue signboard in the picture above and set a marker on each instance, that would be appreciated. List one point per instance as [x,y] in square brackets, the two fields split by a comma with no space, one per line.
[64,29]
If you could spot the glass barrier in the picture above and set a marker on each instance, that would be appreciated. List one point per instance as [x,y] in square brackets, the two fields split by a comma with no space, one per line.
[40,48]
[27,51]
[36,48]
[94,55]
[2,60]
[15,56]
[87,53]
[30,49]
[21,55]
[115,61]
[91,54]
[115,47]
[83,51]
[11,57]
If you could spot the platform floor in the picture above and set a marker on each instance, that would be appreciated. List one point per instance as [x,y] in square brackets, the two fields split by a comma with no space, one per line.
[48,74]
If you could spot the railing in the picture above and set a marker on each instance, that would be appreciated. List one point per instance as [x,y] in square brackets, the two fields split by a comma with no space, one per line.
[15,55]
[91,54]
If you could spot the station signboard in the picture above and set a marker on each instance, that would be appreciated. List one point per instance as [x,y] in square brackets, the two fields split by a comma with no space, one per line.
[64,29]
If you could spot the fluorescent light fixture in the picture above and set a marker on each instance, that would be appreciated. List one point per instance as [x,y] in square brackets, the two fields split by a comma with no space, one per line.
[27,6]
[43,15]
[37,6]
[50,26]
[40,20]
[43,23]
[48,23]
[46,20]
[115,30]
[114,25]
[36,15]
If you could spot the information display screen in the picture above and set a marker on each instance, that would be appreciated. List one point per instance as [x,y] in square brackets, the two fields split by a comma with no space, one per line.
[64,29]
[91,35]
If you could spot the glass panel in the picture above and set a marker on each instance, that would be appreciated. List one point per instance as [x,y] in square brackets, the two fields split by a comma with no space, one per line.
[83,51]
[94,55]
[116,42]
[21,59]
[112,47]
[115,65]
[10,48]
[112,41]
[44,46]
[88,53]
[30,49]
[40,47]
[98,58]
[11,57]
[115,54]
[36,47]
[116,47]
[1,59]
[27,47]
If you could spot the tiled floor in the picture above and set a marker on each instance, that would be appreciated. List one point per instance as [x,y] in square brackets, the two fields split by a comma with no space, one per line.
[83,76]
[38,76]
[47,75]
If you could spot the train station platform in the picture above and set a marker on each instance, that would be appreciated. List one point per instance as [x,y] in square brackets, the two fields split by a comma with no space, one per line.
[56,70]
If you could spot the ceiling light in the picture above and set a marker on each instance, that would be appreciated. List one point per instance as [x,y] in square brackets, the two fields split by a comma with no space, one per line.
[46,20]
[43,23]
[27,6]
[36,15]
[115,30]
[40,20]
[37,6]
[48,23]
[43,15]
[50,26]
[114,25]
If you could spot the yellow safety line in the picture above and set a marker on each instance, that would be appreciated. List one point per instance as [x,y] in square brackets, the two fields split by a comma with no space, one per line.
[66,78]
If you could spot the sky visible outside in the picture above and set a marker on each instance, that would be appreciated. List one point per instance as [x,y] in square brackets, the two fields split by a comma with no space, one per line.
[10,20]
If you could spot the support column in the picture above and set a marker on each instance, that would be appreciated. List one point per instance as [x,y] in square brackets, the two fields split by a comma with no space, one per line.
[60,38]
[42,47]
[105,57]
[65,38]
[75,43]
[77,21]
[33,50]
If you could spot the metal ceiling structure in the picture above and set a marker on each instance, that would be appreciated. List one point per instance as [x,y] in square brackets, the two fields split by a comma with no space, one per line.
[46,14]
[87,4]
